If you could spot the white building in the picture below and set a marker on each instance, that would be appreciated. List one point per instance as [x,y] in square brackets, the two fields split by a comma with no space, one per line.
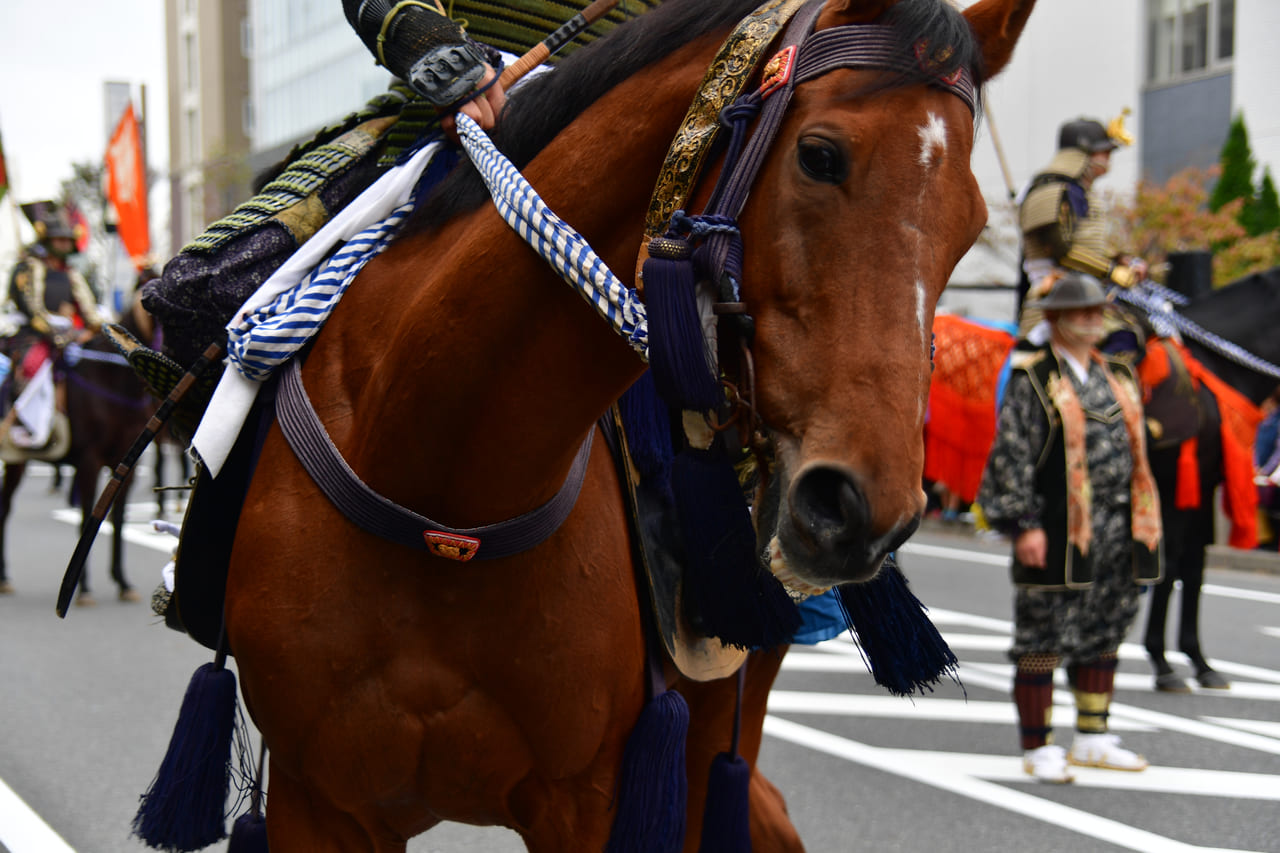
[1184,67]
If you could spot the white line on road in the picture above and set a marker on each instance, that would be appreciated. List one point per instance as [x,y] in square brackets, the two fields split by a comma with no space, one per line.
[942,774]
[924,708]
[22,830]
[965,555]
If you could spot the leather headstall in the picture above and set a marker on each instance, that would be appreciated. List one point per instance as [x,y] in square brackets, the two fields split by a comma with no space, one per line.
[802,55]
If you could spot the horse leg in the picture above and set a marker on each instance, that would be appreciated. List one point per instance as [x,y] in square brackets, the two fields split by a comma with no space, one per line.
[1157,617]
[711,710]
[300,820]
[1191,570]
[126,592]
[1173,522]
[159,479]
[12,477]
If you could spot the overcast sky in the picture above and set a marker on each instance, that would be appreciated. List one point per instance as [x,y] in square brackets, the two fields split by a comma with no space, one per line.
[55,56]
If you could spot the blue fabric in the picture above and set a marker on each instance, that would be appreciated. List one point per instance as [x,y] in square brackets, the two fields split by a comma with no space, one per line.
[1266,447]
[821,618]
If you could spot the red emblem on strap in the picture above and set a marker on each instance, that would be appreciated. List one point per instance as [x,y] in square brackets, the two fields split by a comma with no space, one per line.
[777,72]
[450,545]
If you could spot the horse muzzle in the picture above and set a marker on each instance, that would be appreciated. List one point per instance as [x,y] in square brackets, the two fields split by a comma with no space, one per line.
[824,534]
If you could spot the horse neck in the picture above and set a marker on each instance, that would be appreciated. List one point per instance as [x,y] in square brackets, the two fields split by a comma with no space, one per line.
[493,371]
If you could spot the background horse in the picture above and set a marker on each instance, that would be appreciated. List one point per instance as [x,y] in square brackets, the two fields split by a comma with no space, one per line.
[107,407]
[460,377]
[1246,313]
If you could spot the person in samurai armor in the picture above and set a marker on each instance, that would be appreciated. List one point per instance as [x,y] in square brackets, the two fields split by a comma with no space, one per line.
[441,69]
[56,303]
[1067,480]
[1064,226]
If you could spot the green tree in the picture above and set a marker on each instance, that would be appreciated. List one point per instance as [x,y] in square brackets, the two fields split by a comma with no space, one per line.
[1263,216]
[1176,217]
[1238,165]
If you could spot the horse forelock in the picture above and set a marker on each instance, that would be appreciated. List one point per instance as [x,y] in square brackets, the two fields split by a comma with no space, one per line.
[547,104]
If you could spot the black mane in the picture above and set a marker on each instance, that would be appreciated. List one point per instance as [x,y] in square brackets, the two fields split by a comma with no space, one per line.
[545,105]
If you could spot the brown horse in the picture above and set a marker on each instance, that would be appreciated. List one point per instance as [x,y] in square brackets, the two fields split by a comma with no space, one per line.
[107,406]
[461,376]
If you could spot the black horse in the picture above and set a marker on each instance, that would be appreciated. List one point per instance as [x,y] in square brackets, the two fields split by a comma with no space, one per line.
[1246,313]
[107,407]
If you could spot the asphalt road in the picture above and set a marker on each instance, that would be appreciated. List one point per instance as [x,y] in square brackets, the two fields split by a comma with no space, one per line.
[87,705]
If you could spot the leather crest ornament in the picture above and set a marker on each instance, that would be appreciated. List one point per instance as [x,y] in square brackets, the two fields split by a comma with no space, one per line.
[778,71]
[450,545]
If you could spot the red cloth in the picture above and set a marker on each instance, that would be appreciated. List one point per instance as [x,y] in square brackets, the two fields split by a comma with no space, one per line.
[961,424]
[38,354]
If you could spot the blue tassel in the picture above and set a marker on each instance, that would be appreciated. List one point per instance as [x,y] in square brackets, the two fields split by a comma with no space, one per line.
[647,424]
[249,834]
[678,354]
[184,807]
[652,786]
[728,593]
[901,646]
[726,824]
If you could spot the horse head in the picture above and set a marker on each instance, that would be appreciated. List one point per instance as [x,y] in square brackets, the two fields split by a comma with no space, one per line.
[869,202]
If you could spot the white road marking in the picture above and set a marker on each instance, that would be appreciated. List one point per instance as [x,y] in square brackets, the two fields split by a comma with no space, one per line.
[1262,727]
[922,709]
[137,532]
[927,769]
[22,830]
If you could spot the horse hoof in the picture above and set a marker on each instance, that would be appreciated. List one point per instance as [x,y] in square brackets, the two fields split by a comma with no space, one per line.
[86,600]
[1213,680]
[1171,682]
[6,588]
[129,595]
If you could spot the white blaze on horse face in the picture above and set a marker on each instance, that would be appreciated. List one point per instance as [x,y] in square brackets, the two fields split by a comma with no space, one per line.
[933,140]
[933,147]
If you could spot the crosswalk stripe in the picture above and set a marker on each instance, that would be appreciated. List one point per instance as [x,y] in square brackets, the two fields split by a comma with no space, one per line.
[921,709]
[918,767]
[24,831]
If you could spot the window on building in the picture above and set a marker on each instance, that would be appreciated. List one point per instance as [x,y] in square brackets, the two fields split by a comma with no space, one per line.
[1186,38]
[190,63]
[192,120]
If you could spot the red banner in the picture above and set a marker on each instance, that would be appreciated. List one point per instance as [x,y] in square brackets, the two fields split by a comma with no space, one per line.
[127,187]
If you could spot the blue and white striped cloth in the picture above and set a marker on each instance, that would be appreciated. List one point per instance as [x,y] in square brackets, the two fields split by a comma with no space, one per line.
[556,241]
[266,338]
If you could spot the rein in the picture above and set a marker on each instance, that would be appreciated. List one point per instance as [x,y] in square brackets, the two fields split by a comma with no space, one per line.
[1158,303]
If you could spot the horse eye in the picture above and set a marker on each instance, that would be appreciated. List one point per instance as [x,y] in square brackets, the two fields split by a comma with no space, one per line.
[822,160]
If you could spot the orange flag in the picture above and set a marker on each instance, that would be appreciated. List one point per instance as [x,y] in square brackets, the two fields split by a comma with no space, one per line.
[127,187]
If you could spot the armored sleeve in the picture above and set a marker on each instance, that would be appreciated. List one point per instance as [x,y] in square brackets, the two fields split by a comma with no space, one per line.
[422,46]
[26,289]
[1007,495]
[86,302]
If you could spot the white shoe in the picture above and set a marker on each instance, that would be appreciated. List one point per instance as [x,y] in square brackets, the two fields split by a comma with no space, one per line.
[1048,764]
[1105,751]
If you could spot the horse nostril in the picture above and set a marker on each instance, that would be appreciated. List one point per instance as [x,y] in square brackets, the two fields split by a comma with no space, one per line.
[828,507]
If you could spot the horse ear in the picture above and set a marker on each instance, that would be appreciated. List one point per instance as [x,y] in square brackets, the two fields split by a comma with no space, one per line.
[852,11]
[997,24]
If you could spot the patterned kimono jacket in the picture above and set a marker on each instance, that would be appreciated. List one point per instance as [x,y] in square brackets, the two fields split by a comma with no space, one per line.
[1025,484]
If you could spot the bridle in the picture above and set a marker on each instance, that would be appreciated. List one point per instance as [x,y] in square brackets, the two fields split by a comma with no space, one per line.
[803,55]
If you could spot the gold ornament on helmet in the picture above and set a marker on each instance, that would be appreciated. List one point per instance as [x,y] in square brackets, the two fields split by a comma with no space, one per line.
[1117,131]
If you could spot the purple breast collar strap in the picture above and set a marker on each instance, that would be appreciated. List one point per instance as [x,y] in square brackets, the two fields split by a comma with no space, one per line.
[382,517]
